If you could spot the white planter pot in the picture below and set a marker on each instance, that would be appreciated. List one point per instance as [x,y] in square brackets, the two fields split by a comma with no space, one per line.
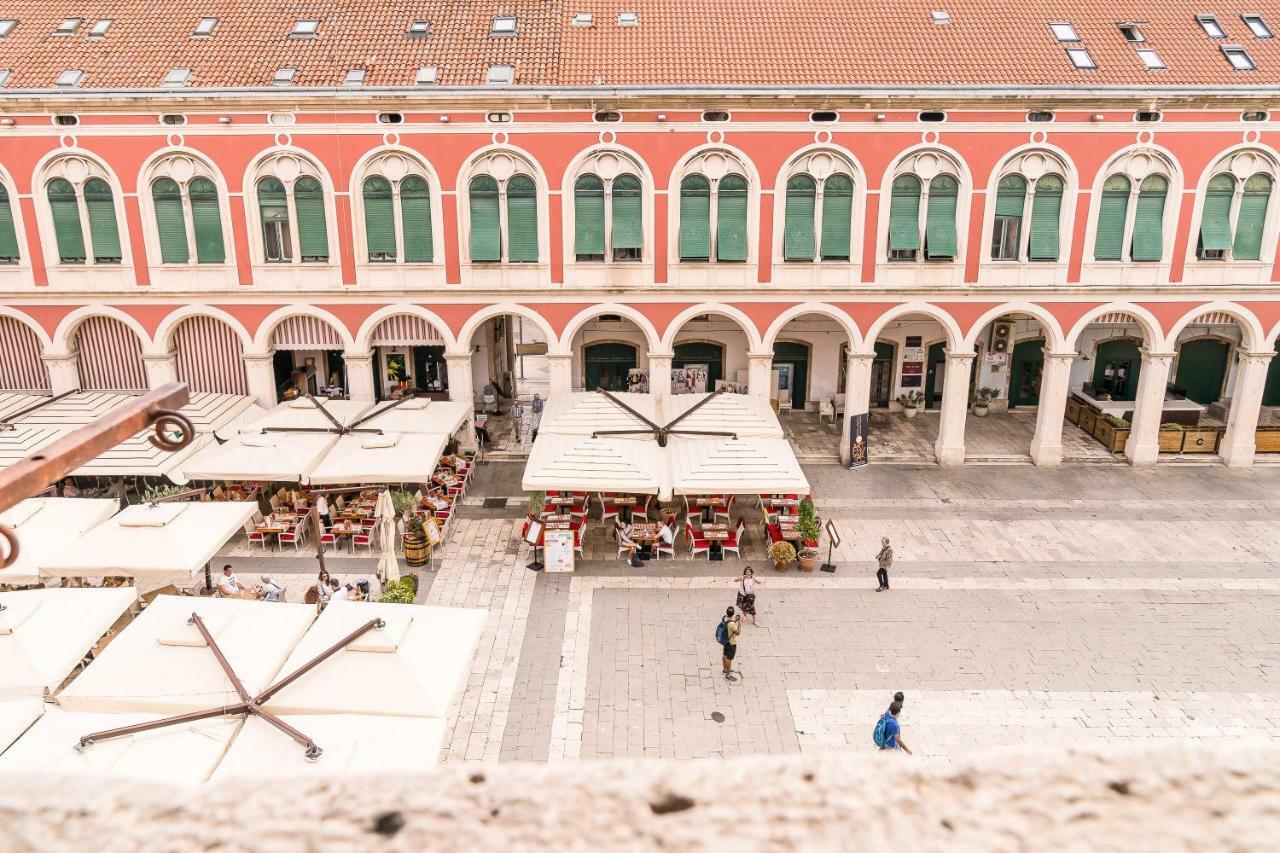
[981,411]
[910,412]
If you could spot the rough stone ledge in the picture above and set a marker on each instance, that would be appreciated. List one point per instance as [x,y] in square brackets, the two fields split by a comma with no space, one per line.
[1168,800]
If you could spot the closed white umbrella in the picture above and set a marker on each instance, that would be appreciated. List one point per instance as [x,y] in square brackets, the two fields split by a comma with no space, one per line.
[385,513]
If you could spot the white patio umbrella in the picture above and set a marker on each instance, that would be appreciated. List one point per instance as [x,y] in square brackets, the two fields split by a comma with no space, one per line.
[304,414]
[419,415]
[45,633]
[582,463]
[46,527]
[385,513]
[161,665]
[16,716]
[743,466]
[413,667]
[741,414]
[388,458]
[272,456]
[584,412]
[12,402]
[165,540]
[181,754]
[352,743]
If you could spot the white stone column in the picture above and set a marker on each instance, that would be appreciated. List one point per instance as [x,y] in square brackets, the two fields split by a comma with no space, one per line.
[262,378]
[1143,447]
[1055,380]
[1246,402]
[949,446]
[857,395]
[759,374]
[559,374]
[64,372]
[660,377]
[359,376]
[161,368]
[462,389]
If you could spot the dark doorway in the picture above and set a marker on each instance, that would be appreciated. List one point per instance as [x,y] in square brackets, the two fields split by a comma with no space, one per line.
[430,371]
[1271,392]
[1202,369]
[282,365]
[335,373]
[1025,373]
[796,355]
[606,365]
[881,376]
[935,375]
[1117,365]
[699,353]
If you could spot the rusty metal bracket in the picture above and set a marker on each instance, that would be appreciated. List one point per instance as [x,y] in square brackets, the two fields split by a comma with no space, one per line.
[168,422]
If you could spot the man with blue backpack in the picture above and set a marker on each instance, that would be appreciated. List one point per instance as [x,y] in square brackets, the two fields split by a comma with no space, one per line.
[727,636]
[887,733]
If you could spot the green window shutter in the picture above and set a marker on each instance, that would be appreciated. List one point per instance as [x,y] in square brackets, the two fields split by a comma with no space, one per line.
[273,207]
[1011,196]
[415,220]
[103,231]
[171,225]
[379,219]
[797,228]
[1046,214]
[628,226]
[1252,218]
[695,219]
[1148,220]
[313,231]
[940,220]
[731,219]
[486,244]
[904,213]
[66,221]
[1113,210]
[1215,217]
[206,220]
[8,236]
[522,220]
[588,217]
[837,217]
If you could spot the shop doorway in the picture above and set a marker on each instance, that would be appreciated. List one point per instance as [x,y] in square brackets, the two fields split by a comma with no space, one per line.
[1027,370]
[793,360]
[701,354]
[935,375]
[1202,369]
[882,376]
[606,366]
[1117,365]
[430,370]
[1271,392]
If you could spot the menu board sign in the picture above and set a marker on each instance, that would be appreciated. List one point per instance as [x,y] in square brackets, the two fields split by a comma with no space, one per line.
[557,548]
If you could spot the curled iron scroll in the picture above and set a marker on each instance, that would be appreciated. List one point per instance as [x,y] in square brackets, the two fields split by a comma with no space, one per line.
[170,422]
[11,554]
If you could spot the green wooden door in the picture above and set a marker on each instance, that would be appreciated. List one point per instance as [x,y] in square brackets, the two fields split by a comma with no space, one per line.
[1202,369]
[1024,375]
[1116,368]
[881,376]
[606,366]
[712,355]
[1271,392]
[935,375]
[797,355]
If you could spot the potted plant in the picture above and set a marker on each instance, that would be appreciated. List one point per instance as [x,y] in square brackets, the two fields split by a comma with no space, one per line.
[403,501]
[1171,436]
[417,549]
[782,554]
[810,529]
[537,503]
[1112,432]
[401,591]
[911,402]
[982,401]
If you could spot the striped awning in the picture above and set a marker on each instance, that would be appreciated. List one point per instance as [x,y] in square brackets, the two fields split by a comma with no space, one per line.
[305,333]
[11,403]
[1214,318]
[405,330]
[1116,318]
[21,367]
[210,357]
[110,356]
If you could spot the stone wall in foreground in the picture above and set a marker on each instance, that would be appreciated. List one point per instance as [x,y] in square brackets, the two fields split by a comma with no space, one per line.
[1167,801]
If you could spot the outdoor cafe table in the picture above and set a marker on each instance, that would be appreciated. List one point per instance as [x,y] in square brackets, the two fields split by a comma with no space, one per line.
[781,503]
[562,501]
[552,517]
[622,502]
[715,534]
[346,530]
[645,535]
[707,503]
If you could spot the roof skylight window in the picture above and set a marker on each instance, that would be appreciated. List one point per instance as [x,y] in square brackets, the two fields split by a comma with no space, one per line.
[940,17]
[6,27]
[284,76]
[70,78]
[67,27]
[1239,60]
[583,19]
[503,25]
[628,19]
[100,29]
[1131,32]
[1064,32]
[500,75]
[305,29]
[177,77]
[1151,59]
[1080,58]
[355,77]
[1211,27]
[1257,26]
[426,76]
[5,74]
[420,29]
[204,29]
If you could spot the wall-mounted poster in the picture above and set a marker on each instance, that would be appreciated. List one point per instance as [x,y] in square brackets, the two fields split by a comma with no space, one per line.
[912,367]
[911,381]
[858,426]
[396,369]
[557,551]
[638,380]
[913,354]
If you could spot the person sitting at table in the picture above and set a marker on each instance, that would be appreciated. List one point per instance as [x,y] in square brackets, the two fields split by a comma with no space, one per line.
[271,591]
[623,533]
[323,590]
[337,592]
[230,587]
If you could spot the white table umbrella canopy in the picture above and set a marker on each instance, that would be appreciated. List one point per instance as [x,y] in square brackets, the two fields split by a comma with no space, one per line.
[276,456]
[584,412]
[46,527]
[16,716]
[743,466]
[160,664]
[45,633]
[153,541]
[362,457]
[742,414]
[302,413]
[12,402]
[413,667]
[582,463]
[419,415]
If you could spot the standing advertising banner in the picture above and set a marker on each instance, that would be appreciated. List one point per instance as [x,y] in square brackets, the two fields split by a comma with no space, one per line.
[858,426]
[557,550]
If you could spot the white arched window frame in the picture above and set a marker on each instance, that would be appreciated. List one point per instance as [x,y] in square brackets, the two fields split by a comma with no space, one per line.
[502,165]
[289,167]
[608,164]
[396,166]
[182,168]
[1241,165]
[1033,166]
[1136,165]
[19,232]
[927,166]
[714,164]
[820,164]
[78,168]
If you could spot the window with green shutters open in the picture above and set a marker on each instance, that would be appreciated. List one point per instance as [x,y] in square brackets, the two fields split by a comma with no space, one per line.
[714,209]
[398,226]
[8,233]
[1027,215]
[1233,213]
[82,206]
[817,220]
[187,211]
[924,200]
[607,221]
[292,211]
[502,204]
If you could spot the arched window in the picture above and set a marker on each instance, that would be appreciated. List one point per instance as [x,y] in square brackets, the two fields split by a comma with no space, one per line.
[1234,215]
[588,218]
[486,222]
[522,220]
[607,214]
[1113,213]
[1131,210]
[206,221]
[502,199]
[171,227]
[1011,201]
[924,198]
[8,234]
[188,216]
[695,219]
[1251,218]
[397,211]
[714,209]
[837,217]
[291,208]
[731,218]
[904,218]
[818,216]
[1046,218]
[940,222]
[798,240]
[1037,174]
[78,193]
[1148,219]
[626,232]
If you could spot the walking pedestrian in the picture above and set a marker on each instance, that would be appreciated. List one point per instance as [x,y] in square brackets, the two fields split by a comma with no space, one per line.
[888,732]
[727,636]
[885,561]
[322,510]
[747,594]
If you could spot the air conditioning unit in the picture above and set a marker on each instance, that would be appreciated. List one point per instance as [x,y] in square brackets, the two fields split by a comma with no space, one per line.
[1001,335]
